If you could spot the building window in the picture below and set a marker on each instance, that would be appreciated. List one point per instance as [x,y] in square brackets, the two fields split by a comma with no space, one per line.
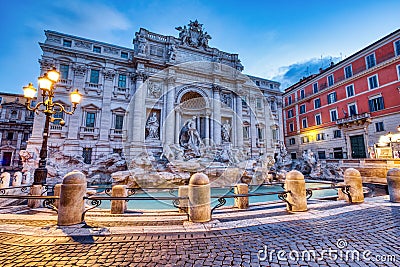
[330,80]
[58,115]
[291,127]
[258,103]
[124,55]
[244,102]
[320,136]
[258,83]
[350,90]
[117,151]
[303,109]
[370,61]
[332,98]
[292,141]
[64,70]
[333,113]
[302,94]
[317,103]
[94,76]
[260,134]
[290,113]
[274,134]
[119,122]
[376,104]
[26,136]
[398,74]
[7,159]
[10,135]
[379,126]
[318,120]
[122,81]
[87,155]
[289,100]
[97,49]
[246,132]
[13,115]
[1,100]
[304,123]
[352,109]
[373,82]
[348,72]
[90,119]
[321,155]
[305,139]
[67,43]
[271,86]
[315,88]
[397,47]
[293,155]
[337,134]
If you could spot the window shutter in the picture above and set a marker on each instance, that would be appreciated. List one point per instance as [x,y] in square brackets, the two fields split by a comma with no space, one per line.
[371,105]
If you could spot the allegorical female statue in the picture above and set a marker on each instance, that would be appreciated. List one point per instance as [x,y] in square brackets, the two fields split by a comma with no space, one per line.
[152,126]
[189,139]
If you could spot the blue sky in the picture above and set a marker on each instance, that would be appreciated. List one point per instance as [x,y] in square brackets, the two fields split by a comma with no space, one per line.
[280,40]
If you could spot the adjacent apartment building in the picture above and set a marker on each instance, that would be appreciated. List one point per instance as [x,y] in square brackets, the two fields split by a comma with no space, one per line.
[16,124]
[349,110]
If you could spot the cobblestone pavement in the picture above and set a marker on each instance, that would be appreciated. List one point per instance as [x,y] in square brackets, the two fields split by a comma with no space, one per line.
[359,236]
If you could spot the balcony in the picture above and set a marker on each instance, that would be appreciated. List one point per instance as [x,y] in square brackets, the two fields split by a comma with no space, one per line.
[56,129]
[121,91]
[96,87]
[88,131]
[116,134]
[357,119]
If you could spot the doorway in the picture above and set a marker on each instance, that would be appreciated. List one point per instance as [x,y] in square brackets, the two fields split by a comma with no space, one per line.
[7,158]
[357,146]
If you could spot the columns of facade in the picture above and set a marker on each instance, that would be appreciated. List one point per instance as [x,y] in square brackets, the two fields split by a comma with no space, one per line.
[105,121]
[177,125]
[170,119]
[207,129]
[217,116]
[139,111]
[76,120]
[253,129]
[239,122]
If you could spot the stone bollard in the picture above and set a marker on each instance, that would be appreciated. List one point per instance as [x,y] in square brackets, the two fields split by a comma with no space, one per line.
[353,178]
[26,178]
[5,180]
[57,191]
[241,202]
[296,184]
[199,198]
[17,179]
[393,181]
[72,205]
[183,191]
[36,190]
[118,206]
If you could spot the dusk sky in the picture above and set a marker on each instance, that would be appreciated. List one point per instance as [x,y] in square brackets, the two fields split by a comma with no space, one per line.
[272,38]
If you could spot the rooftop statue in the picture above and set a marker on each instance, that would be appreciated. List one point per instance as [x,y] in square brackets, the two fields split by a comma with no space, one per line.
[194,35]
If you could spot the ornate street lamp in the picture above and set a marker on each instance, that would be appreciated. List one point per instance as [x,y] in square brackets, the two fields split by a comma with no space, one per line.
[46,85]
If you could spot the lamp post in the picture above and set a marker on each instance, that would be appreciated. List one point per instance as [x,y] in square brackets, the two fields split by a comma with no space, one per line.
[46,85]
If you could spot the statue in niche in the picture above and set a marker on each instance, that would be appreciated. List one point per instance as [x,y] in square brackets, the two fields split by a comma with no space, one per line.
[152,126]
[189,139]
[226,131]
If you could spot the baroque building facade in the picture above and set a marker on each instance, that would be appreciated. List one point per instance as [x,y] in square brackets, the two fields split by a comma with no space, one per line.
[16,123]
[348,109]
[139,98]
